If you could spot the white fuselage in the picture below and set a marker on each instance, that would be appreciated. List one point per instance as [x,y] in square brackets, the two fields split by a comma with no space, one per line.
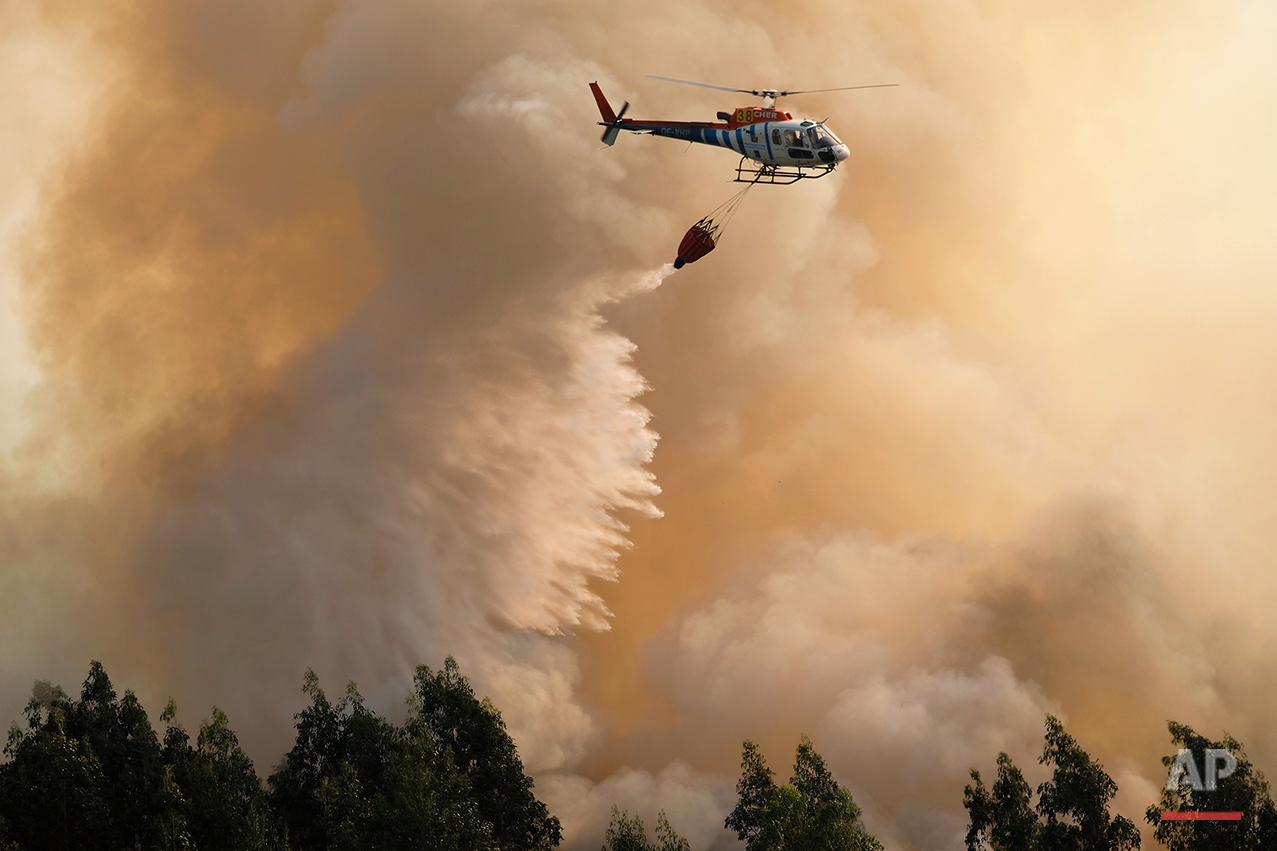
[782,143]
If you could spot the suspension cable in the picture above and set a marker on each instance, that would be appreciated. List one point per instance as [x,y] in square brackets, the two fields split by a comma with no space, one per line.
[725,211]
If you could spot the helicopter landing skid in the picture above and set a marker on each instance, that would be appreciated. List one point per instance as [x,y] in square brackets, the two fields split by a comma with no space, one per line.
[748,171]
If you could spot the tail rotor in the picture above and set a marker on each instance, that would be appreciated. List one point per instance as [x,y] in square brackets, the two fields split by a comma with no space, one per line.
[611,120]
[610,134]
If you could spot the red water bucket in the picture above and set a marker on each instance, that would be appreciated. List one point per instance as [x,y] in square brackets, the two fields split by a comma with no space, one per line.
[697,242]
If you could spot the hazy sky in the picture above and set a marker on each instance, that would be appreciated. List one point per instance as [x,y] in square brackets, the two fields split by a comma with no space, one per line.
[330,337]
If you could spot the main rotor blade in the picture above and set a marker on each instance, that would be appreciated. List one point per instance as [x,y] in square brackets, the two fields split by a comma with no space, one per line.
[841,89]
[772,93]
[706,85]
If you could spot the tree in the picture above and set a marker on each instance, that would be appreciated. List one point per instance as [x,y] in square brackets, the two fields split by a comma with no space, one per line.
[222,802]
[810,812]
[1003,820]
[353,780]
[5,843]
[475,736]
[51,789]
[666,838]
[755,789]
[1244,791]
[89,769]
[1075,801]
[833,818]
[91,773]
[296,783]
[1073,806]
[627,834]
[172,827]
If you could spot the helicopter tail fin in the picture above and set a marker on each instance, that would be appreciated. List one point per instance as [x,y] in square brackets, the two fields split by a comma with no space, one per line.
[605,108]
[611,120]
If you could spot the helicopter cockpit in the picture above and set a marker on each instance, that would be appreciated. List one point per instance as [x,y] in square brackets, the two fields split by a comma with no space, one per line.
[819,137]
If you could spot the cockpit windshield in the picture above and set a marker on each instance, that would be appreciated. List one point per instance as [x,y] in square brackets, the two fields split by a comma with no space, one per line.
[822,138]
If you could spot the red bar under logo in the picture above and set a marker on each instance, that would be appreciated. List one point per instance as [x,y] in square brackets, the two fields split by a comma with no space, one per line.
[1197,816]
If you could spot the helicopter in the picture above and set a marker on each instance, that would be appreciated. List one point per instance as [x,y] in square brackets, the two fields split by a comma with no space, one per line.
[775,147]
